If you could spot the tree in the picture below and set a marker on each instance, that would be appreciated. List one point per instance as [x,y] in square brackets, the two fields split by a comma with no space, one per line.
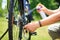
[1,8]
[0,3]
[50,4]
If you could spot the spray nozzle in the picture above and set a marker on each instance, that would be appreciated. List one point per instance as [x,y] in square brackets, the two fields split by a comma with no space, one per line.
[38,7]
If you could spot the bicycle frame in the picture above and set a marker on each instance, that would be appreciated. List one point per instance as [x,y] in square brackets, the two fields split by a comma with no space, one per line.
[22,5]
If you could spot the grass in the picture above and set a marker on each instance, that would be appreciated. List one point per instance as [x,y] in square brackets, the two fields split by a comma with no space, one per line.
[42,33]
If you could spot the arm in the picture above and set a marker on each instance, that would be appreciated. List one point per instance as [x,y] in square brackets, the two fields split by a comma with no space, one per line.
[47,11]
[49,20]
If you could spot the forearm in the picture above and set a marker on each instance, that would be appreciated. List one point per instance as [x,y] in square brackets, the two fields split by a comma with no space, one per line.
[51,19]
[49,12]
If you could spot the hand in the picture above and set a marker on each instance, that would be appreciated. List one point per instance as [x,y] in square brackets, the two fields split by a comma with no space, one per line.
[42,7]
[32,26]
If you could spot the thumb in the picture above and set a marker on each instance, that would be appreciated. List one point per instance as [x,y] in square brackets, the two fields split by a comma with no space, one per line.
[25,27]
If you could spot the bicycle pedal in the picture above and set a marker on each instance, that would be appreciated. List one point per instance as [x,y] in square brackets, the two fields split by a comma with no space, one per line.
[26,31]
[34,33]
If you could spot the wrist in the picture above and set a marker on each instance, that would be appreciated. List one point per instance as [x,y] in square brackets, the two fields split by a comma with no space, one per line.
[38,24]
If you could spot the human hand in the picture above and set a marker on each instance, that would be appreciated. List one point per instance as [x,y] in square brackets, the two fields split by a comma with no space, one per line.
[32,26]
[40,7]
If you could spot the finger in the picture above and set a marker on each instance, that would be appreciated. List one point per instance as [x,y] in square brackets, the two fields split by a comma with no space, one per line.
[39,4]
[24,27]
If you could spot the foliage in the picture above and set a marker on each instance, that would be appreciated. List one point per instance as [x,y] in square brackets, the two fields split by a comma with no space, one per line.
[50,4]
[42,33]
[58,1]
[1,7]
[0,3]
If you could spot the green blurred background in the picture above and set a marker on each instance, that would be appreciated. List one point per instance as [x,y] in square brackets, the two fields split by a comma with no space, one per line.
[42,33]
[51,4]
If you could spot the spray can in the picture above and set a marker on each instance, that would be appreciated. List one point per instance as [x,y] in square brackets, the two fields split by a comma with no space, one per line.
[43,15]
